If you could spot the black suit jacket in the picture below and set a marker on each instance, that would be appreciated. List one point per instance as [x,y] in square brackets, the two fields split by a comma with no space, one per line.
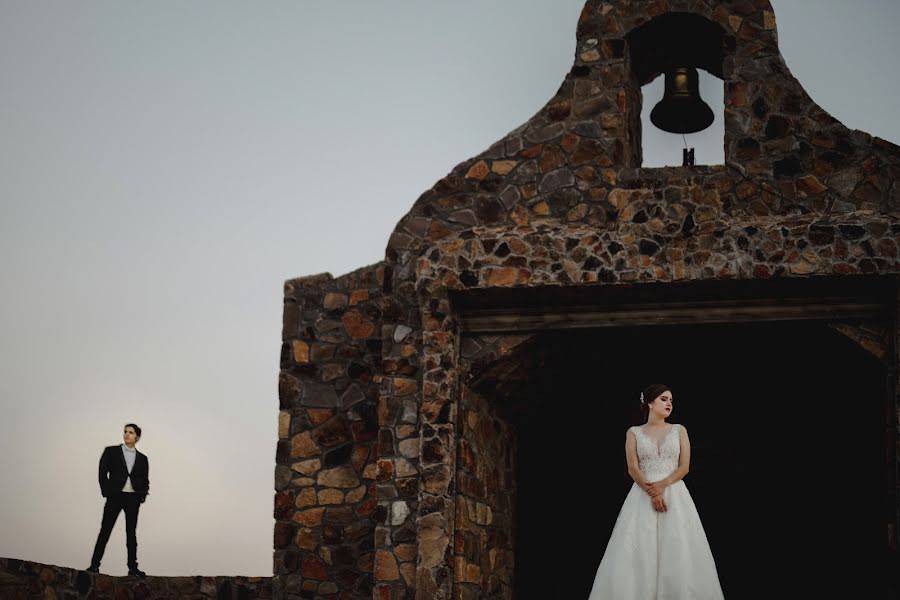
[114,472]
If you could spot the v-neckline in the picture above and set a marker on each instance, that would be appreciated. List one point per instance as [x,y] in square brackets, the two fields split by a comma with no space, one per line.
[662,440]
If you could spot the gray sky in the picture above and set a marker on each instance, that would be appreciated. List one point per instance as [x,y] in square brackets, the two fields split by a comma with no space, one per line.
[165,166]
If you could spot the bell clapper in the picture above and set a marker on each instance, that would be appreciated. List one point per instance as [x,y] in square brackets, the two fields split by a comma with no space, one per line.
[687,154]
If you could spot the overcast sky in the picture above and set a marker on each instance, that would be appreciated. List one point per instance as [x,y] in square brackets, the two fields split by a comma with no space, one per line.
[165,166]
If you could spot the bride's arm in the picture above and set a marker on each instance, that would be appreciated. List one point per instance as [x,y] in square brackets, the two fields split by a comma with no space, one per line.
[684,461]
[634,470]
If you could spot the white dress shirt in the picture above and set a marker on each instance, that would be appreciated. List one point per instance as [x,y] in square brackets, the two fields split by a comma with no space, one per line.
[130,456]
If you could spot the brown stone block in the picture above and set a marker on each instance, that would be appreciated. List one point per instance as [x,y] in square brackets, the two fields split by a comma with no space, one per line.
[331,496]
[737,94]
[531,152]
[473,573]
[405,387]
[569,142]
[334,300]
[609,24]
[611,121]
[360,455]
[528,190]
[306,539]
[367,507]
[810,185]
[339,514]
[405,552]
[307,467]
[357,326]
[317,416]
[386,566]
[358,296]
[321,352]
[478,171]
[408,570]
[306,497]
[338,477]
[887,248]
[745,190]
[385,470]
[459,569]
[501,277]
[591,108]
[502,167]
[302,445]
[519,216]
[291,320]
[317,394]
[284,505]
[592,55]
[761,271]
[312,567]
[588,151]
[551,159]
[332,371]
[284,425]
[310,517]
[332,433]
[559,110]
[578,213]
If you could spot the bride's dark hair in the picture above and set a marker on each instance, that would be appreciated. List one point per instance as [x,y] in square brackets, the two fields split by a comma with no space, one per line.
[650,393]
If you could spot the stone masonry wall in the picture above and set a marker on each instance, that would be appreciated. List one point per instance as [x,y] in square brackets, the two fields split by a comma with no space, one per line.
[563,201]
[328,426]
[484,540]
[21,579]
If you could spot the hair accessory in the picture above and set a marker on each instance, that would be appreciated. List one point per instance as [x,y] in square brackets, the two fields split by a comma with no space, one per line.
[642,397]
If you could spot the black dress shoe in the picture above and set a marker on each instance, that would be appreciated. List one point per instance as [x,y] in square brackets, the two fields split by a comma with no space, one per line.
[93,569]
[136,573]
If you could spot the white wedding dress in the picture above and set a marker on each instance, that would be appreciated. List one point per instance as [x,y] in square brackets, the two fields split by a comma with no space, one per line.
[657,555]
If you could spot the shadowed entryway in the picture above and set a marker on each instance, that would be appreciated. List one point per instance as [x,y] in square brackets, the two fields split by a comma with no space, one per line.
[786,421]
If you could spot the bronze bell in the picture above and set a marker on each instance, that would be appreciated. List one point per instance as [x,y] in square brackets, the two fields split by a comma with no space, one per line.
[682,110]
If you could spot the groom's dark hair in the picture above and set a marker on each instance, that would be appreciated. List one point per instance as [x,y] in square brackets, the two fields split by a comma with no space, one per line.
[137,429]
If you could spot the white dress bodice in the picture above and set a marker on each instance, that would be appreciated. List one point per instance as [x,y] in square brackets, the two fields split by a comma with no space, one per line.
[658,462]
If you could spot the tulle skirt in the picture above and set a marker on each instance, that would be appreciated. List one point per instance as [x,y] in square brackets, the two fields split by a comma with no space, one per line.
[657,555]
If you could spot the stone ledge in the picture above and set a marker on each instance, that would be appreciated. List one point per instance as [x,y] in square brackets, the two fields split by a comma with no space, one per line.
[20,579]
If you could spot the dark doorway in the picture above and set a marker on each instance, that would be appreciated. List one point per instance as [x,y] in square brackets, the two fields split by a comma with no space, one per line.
[786,421]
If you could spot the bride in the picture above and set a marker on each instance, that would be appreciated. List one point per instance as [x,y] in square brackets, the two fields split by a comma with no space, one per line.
[658,549]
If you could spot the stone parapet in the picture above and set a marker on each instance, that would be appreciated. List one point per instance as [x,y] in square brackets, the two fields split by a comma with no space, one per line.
[20,580]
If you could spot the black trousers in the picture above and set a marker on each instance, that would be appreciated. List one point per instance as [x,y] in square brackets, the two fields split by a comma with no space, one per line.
[116,502]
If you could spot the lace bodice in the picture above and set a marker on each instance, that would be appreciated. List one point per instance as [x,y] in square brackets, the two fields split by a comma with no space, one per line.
[658,463]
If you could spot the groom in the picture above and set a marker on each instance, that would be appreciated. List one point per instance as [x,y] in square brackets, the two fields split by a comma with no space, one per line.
[125,483]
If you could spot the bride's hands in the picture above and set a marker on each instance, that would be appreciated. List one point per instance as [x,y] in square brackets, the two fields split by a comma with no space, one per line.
[648,487]
[659,503]
[654,489]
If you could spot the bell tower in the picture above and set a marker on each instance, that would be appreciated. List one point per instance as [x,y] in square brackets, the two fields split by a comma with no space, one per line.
[675,46]
[404,469]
